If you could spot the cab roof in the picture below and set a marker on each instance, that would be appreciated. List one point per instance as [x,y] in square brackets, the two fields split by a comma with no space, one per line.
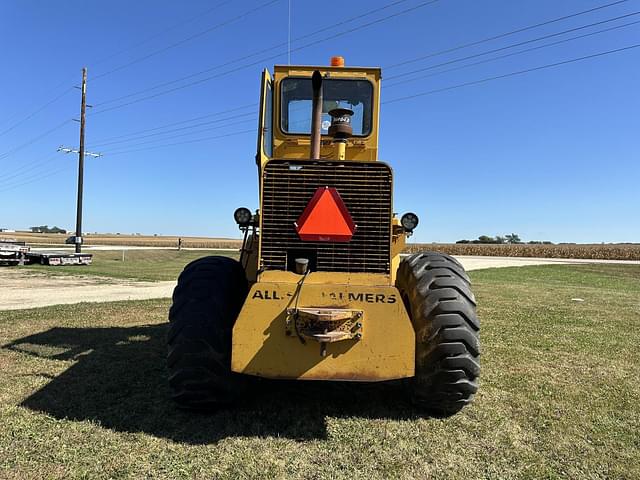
[298,69]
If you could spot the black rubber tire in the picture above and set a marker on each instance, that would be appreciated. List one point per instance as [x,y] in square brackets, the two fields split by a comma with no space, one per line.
[437,294]
[206,302]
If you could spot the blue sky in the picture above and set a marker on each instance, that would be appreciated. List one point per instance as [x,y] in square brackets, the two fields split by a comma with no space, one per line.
[553,154]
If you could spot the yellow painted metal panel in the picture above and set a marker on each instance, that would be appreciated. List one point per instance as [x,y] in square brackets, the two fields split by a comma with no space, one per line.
[385,351]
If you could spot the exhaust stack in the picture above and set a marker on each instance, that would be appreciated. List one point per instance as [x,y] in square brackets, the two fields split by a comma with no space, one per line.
[316,114]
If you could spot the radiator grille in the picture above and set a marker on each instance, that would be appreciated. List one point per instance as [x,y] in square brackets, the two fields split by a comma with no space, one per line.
[365,188]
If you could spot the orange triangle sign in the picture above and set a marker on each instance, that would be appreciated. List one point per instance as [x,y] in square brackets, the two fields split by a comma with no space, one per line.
[326,218]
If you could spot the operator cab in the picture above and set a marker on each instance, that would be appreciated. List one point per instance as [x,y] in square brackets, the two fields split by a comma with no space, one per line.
[286,111]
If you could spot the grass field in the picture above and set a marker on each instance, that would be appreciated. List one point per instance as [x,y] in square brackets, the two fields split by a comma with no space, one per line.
[137,264]
[83,395]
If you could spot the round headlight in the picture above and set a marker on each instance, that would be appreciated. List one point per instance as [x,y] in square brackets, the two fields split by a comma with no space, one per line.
[409,221]
[242,216]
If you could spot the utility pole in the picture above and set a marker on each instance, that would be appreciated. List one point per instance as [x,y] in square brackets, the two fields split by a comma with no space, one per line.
[83,106]
[81,154]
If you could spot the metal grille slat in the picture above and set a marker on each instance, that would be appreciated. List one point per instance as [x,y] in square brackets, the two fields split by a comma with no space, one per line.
[365,188]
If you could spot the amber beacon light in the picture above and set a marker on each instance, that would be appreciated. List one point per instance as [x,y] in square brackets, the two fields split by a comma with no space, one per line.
[337,61]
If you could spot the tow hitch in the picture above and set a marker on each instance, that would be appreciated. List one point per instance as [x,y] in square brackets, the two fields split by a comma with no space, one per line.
[324,325]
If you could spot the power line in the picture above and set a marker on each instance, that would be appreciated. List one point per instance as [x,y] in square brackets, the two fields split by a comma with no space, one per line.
[185,40]
[306,46]
[190,128]
[18,172]
[264,50]
[196,82]
[35,178]
[494,58]
[50,91]
[181,122]
[511,54]
[38,110]
[431,67]
[512,74]
[33,140]
[181,134]
[474,56]
[183,143]
[502,35]
[476,82]
[196,17]
[162,32]
[262,60]
[520,43]
[43,176]
[35,112]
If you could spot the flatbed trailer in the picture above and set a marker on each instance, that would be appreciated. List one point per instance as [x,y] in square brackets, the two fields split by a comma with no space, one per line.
[13,253]
[59,258]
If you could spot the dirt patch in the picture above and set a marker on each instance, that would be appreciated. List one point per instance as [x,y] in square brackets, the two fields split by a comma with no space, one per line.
[26,289]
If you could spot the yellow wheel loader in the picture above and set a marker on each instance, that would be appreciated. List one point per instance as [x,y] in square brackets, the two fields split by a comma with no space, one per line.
[322,290]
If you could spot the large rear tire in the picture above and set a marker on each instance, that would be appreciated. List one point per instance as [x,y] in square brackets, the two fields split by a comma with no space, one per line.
[437,294]
[206,302]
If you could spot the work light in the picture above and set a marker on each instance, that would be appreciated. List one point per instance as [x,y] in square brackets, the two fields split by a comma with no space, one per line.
[409,221]
[242,216]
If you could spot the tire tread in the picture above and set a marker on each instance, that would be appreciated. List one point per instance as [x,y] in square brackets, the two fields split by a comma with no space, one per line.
[206,301]
[438,295]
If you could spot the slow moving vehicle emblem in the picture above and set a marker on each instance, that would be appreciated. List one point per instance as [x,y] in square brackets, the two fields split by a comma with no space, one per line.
[326,218]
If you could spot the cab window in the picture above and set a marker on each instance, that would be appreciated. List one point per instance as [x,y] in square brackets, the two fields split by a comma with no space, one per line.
[296,96]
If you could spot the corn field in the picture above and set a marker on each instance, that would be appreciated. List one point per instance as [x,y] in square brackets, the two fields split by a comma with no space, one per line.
[588,251]
[623,251]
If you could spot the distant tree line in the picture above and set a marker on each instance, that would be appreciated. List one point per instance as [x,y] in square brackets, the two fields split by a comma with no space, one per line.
[46,229]
[512,238]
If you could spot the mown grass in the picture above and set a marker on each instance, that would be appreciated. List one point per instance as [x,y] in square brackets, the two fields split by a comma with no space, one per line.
[83,395]
[137,264]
